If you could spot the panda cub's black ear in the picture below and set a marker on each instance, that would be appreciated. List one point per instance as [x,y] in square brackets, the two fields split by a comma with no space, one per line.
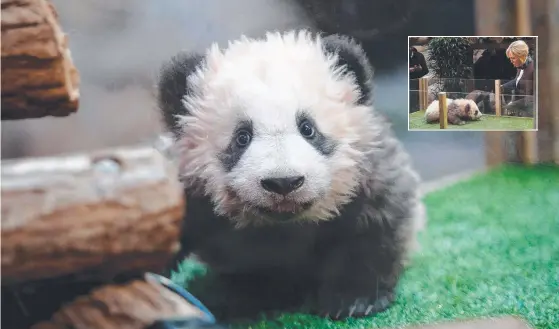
[172,87]
[353,57]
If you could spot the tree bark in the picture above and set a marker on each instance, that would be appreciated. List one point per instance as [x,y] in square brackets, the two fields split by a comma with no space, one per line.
[98,215]
[135,305]
[38,75]
[546,28]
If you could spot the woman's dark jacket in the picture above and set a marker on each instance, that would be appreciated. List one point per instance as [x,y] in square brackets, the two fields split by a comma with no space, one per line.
[525,85]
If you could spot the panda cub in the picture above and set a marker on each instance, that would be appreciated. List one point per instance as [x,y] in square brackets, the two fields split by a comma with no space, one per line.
[298,193]
[459,111]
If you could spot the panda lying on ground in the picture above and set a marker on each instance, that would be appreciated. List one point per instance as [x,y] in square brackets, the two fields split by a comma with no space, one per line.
[298,193]
[459,111]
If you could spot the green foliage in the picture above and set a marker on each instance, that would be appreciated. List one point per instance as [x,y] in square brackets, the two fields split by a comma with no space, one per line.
[451,61]
[450,58]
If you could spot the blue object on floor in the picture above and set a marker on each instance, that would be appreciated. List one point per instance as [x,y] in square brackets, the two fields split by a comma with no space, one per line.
[182,323]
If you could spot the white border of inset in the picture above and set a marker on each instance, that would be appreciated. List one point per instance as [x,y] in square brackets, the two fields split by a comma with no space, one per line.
[536,93]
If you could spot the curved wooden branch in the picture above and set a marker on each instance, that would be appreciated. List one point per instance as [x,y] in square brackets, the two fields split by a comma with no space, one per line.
[135,305]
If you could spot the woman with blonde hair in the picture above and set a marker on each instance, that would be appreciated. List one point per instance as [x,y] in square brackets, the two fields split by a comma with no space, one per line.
[518,53]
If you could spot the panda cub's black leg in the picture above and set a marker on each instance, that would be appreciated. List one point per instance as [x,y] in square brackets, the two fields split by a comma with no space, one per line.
[245,296]
[358,278]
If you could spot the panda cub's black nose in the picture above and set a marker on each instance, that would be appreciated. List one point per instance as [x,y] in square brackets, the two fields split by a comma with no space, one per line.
[282,185]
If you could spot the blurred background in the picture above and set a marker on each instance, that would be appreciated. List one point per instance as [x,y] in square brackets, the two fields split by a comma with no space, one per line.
[118,46]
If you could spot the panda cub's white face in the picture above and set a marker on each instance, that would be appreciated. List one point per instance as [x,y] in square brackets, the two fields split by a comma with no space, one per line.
[274,130]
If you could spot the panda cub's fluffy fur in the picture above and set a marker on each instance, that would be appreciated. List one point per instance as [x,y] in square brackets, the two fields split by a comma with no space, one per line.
[298,193]
[459,111]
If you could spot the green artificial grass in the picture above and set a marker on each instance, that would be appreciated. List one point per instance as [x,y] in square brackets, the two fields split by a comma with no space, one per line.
[487,122]
[491,248]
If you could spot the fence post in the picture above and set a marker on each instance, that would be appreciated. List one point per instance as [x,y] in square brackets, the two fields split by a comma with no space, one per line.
[443,111]
[423,93]
[420,91]
[498,98]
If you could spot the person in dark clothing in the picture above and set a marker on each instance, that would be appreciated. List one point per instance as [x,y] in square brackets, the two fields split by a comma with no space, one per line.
[417,68]
[418,65]
[523,83]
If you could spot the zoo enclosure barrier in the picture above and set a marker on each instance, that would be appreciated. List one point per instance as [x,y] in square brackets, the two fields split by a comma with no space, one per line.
[485,92]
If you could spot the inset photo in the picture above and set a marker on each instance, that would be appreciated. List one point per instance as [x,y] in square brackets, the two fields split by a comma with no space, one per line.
[473,83]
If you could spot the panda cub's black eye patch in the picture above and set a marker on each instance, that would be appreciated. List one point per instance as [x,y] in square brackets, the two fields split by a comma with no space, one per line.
[309,130]
[240,141]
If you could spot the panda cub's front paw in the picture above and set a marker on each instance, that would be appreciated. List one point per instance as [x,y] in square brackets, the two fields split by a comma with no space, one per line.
[341,308]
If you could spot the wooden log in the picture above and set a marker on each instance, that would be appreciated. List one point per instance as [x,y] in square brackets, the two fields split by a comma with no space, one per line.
[100,215]
[443,111]
[135,305]
[38,75]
